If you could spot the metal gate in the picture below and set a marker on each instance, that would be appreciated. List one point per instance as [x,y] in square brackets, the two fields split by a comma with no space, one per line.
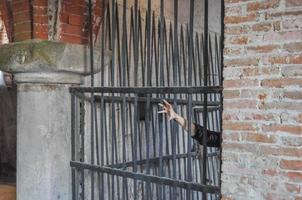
[121,147]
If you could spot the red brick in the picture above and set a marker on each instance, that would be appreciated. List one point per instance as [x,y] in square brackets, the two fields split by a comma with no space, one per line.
[21,16]
[251,71]
[234,1]
[40,3]
[291,164]
[300,118]
[291,71]
[239,147]
[41,35]
[239,19]
[293,47]
[293,3]
[262,48]
[232,51]
[282,36]
[283,14]
[294,176]
[280,83]
[292,188]
[97,11]
[293,95]
[22,27]
[294,129]
[234,10]
[288,59]
[64,18]
[238,83]
[267,26]
[75,9]
[260,138]
[73,39]
[281,151]
[273,70]
[282,105]
[230,94]
[72,30]
[77,20]
[262,117]
[21,6]
[41,19]
[40,10]
[231,137]
[22,36]
[239,126]
[41,28]
[269,172]
[241,104]
[242,62]
[238,40]
[235,30]
[256,6]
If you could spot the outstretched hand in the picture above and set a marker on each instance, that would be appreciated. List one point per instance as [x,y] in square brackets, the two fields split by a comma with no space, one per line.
[168,109]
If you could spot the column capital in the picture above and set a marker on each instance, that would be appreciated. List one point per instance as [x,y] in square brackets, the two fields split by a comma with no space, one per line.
[41,61]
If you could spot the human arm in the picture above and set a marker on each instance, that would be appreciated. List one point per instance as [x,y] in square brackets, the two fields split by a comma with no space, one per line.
[213,137]
[172,115]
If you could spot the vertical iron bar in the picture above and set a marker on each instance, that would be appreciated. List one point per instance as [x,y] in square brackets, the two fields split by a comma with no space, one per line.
[123,77]
[82,133]
[149,82]
[73,172]
[205,111]
[190,52]
[174,131]
[135,144]
[221,80]
[136,44]
[147,126]
[103,138]
[161,63]
[92,95]
[97,148]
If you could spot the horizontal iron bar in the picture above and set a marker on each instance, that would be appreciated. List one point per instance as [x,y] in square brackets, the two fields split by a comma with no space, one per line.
[147,177]
[212,105]
[148,90]
[156,160]
[152,100]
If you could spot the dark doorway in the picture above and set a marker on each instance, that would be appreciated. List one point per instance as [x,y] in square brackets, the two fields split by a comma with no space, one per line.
[8,132]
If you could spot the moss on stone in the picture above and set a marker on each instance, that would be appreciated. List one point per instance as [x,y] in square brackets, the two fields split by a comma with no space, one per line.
[22,53]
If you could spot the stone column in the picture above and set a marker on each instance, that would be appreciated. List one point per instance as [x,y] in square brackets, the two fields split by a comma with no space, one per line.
[44,71]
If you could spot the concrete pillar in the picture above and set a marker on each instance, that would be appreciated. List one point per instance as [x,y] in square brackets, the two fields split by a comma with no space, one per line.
[43,137]
[44,71]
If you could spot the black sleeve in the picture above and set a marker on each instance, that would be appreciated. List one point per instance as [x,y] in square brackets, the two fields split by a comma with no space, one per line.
[213,137]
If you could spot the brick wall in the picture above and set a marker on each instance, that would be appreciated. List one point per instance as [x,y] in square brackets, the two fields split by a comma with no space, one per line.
[262,138]
[62,20]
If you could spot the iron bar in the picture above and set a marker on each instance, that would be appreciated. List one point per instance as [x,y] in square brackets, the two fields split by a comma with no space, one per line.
[156,160]
[205,96]
[148,90]
[132,148]
[146,177]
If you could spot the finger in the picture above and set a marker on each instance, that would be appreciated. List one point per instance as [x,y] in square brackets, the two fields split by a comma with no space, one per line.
[166,102]
[160,104]
[162,111]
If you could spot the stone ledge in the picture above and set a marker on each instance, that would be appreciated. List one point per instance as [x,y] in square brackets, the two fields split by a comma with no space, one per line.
[36,56]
